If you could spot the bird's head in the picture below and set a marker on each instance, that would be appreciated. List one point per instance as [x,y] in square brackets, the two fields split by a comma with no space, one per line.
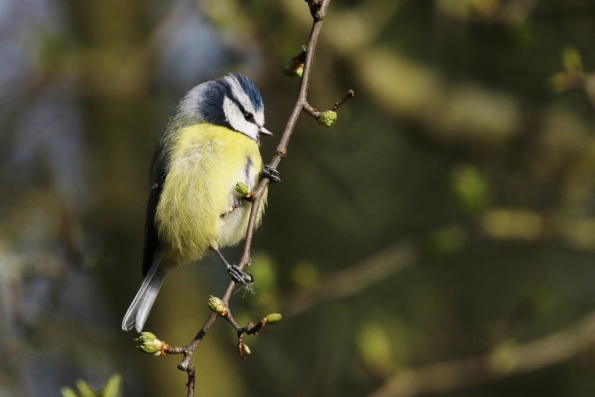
[232,101]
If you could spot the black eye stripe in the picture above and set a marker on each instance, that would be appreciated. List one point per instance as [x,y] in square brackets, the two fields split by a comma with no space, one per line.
[247,115]
[247,88]
[231,96]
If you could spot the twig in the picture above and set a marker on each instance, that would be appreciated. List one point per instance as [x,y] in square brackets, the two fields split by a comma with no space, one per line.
[318,11]
[350,94]
[316,114]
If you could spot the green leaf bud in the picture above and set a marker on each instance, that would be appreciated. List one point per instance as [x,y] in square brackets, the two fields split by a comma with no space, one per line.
[148,343]
[295,66]
[327,118]
[242,189]
[273,318]
[217,306]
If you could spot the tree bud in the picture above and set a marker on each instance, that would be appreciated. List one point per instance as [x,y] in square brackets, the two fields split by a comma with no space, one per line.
[327,118]
[148,343]
[242,189]
[273,318]
[217,306]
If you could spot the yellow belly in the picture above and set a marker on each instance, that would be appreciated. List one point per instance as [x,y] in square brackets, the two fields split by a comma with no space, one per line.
[199,207]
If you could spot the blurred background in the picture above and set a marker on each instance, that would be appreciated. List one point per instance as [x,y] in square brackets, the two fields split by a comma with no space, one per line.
[439,239]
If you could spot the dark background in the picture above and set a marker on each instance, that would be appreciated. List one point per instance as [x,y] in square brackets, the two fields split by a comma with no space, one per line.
[439,239]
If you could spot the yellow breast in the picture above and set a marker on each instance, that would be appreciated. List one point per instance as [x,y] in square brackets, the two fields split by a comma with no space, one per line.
[199,207]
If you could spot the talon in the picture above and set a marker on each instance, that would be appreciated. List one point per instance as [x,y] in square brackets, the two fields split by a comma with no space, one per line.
[271,174]
[240,276]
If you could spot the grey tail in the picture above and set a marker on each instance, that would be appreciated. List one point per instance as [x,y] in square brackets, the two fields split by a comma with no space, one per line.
[143,301]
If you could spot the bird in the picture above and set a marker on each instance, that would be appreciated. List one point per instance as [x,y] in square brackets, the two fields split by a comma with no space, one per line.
[209,145]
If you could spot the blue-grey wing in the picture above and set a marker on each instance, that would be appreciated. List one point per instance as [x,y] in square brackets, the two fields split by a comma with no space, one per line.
[151,236]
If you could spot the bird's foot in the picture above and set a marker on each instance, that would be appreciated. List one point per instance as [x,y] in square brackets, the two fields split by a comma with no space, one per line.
[271,174]
[240,276]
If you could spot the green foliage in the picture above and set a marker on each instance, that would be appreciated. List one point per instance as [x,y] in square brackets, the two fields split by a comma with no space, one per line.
[305,275]
[111,389]
[571,75]
[471,188]
[374,343]
[263,269]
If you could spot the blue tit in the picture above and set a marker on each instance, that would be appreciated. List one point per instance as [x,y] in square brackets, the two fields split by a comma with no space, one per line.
[207,147]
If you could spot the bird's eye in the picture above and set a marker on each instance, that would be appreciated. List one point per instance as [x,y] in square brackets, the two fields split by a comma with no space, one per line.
[248,116]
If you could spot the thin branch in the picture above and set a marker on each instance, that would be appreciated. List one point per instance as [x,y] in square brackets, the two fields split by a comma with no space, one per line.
[311,110]
[318,11]
[504,361]
[350,94]
[281,151]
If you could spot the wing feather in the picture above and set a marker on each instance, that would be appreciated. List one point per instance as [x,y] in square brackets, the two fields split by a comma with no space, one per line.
[151,236]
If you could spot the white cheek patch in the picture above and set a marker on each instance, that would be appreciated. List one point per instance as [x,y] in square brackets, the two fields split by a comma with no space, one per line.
[259,118]
[236,119]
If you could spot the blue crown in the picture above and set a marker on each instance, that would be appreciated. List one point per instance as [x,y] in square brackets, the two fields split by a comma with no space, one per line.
[210,96]
[205,101]
[249,88]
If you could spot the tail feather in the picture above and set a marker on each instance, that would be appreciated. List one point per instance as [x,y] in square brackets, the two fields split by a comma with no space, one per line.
[137,313]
